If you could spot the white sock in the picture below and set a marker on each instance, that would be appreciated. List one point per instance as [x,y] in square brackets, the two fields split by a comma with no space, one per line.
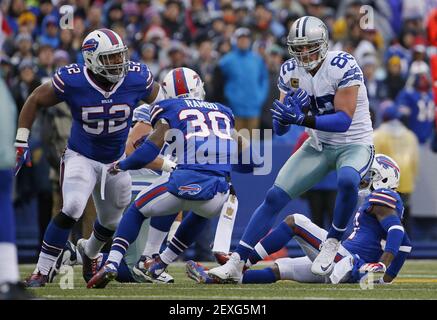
[8,263]
[168,256]
[93,246]
[115,256]
[155,238]
[174,227]
[261,251]
[45,262]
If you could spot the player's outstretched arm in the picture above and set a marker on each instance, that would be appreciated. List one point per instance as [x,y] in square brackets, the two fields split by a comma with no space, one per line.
[42,97]
[390,221]
[146,153]
[136,137]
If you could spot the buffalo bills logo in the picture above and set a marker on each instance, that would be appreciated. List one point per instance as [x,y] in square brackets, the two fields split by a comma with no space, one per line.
[386,163]
[90,45]
[191,189]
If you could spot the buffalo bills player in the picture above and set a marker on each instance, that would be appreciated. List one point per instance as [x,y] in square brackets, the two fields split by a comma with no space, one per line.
[204,144]
[378,242]
[102,95]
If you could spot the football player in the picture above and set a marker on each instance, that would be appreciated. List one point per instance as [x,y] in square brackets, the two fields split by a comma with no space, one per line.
[378,242]
[323,91]
[10,287]
[204,140]
[101,95]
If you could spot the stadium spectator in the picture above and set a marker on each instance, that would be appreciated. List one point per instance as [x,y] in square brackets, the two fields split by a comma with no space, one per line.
[394,81]
[416,102]
[245,81]
[398,142]
[205,64]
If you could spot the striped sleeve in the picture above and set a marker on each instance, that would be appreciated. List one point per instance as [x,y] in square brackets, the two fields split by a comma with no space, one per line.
[282,86]
[142,114]
[58,83]
[352,77]
[382,199]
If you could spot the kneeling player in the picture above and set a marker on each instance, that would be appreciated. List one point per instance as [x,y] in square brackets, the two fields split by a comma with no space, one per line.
[377,244]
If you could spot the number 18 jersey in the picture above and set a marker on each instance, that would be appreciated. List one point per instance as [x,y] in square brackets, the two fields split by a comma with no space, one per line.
[338,70]
[101,119]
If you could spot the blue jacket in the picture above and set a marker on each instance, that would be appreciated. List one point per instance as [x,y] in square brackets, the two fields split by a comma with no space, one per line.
[246,82]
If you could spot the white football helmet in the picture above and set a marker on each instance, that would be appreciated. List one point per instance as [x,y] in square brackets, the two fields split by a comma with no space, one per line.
[384,173]
[183,83]
[308,32]
[100,48]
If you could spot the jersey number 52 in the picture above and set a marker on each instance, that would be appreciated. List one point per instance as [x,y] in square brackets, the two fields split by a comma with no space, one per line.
[94,124]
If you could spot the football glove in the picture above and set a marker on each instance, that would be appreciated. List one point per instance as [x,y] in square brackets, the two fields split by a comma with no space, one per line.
[22,155]
[375,267]
[291,112]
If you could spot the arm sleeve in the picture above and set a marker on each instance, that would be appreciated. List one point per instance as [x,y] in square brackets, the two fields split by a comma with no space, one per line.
[399,260]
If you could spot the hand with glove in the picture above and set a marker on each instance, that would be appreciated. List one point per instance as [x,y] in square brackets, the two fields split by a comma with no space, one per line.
[375,267]
[290,112]
[22,152]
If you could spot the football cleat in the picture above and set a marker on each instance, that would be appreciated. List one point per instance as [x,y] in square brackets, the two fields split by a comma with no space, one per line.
[89,266]
[105,275]
[230,272]
[14,291]
[140,273]
[198,273]
[68,257]
[324,262]
[222,258]
[36,280]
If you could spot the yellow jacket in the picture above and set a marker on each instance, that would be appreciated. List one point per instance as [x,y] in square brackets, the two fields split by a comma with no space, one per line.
[397,141]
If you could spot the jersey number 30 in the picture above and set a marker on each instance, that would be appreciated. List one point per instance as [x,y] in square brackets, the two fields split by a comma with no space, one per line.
[199,128]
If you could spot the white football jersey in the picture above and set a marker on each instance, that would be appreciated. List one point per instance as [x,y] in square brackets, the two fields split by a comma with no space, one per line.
[338,70]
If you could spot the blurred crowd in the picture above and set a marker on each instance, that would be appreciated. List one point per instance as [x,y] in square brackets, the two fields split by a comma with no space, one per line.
[237,47]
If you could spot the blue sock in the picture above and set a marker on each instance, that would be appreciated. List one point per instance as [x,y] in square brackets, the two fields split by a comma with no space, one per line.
[163,223]
[348,180]
[55,238]
[124,275]
[127,230]
[187,232]
[259,276]
[262,220]
[274,241]
[7,218]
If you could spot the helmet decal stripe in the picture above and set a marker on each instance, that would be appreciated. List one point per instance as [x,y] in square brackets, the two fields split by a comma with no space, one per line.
[110,35]
[297,27]
[179,81]
[304,25]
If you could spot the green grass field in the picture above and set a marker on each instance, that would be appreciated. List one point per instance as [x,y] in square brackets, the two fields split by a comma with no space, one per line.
[418,280]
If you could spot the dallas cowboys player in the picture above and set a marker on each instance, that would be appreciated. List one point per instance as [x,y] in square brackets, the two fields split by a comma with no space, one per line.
[330,85]
[378,242]
[101,95]
[204,146]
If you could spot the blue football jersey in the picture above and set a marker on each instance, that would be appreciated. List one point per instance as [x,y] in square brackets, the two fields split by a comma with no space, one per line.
[202,133]
[101,119]
[419,107]
[368,235]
